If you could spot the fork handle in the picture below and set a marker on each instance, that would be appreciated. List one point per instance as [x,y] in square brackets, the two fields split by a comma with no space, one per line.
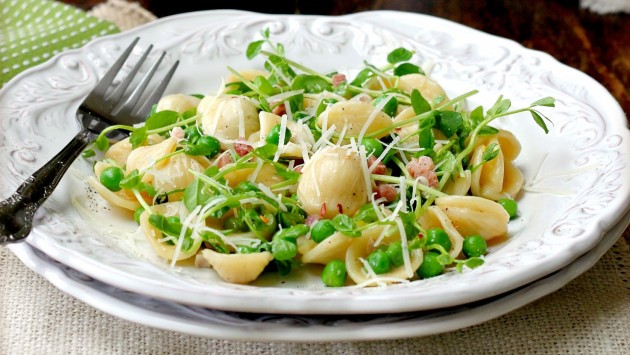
[17,211]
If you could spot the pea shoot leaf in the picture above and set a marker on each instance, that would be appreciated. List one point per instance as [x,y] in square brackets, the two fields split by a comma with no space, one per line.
[538,118]
[346,225]
[311,84]
[88,153]
[195,195]
[138,136]
[263,85]
[488,130]
[491,152]
[266,151]
[407,68]
[362,77]
[161,119]
[546,101]
[130,181]
[283,249]
[501,106]
[476,115]
[215,242]
[391,107]
[449,122]
[419,103]
[426,138]
[399,55]
[253,49]
[409,223]
[474,262]
[101,143]
[366,214]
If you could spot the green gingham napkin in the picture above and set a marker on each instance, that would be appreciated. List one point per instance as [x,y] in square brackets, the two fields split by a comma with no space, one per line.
[32,31]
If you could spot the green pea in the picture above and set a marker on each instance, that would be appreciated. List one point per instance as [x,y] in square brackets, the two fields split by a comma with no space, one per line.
[372,146]
[137,213]
[439,236]
[205,145]
[321,230]
[430,266]
[509,205]
[379,261]
[474,245]
[110,178]
[334,273]
[273,137]
[395,254]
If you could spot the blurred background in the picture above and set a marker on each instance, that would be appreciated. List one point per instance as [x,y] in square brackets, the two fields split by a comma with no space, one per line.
[590,35]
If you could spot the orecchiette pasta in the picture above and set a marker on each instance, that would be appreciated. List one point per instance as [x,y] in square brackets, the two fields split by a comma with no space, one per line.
[362,247]
[167,251]
[238,268]
[179,103]
[288,166]
[472,215]
[351,116]
[435,217]
[332,182]
[228,117]
[498,178]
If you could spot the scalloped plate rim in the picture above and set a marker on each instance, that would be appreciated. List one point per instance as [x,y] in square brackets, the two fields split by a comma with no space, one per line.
[217,299]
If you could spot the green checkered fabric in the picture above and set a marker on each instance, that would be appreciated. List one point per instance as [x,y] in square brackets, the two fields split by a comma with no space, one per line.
[33,31]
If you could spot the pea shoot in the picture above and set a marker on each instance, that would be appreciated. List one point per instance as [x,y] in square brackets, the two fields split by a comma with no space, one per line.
[239,195]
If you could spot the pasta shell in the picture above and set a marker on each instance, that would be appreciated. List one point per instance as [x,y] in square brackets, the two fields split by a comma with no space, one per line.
[472,215]
[119,152]
[292,150]
[429,88]
[498,178]
[266,175]
[333,247]
[179,103]
[510,146]
[408,129]
[459,184]
[120,198]
[238,268]
[352,116]
[434,217]
[164,250]
[332,177]
[362,247]
[142,158]
[228,117]
[175,174]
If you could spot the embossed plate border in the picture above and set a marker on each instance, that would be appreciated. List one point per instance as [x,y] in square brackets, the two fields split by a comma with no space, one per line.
[577,176]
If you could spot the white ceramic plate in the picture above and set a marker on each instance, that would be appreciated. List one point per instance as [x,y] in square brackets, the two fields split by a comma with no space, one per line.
[578,176]
[269,327]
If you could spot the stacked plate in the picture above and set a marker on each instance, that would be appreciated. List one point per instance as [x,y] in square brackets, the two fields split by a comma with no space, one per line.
[572,209]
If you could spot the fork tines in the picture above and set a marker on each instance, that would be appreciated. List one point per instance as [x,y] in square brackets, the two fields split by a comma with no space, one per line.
[128,107]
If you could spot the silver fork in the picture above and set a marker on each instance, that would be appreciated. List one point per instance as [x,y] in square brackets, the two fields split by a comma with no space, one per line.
[99,110]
